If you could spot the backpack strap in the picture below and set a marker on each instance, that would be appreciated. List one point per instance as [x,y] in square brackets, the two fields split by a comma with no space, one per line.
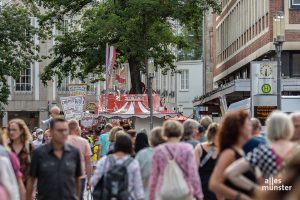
[128,161]
[111,160]
[167,152]
[208,155]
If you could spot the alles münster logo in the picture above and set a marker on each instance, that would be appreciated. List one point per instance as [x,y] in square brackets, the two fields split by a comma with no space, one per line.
[275,184]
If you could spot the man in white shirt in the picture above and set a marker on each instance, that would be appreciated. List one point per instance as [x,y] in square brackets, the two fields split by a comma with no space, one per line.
[85,152]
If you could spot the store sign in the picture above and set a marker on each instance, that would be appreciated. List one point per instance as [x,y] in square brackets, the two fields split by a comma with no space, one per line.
[262,112]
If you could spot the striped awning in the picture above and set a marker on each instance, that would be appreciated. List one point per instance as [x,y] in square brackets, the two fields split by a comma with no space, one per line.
[134,107]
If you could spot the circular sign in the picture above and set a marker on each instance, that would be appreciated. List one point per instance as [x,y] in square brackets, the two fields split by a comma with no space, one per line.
[266,88]
[266,70]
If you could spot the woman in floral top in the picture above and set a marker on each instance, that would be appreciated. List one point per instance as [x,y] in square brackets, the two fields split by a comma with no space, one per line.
[185,158]
[20,144]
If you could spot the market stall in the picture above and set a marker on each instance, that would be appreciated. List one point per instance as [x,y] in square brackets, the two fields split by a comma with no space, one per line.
[135,108]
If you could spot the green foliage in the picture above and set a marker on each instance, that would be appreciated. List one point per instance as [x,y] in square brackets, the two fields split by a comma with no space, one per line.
[17,48]
[139,29]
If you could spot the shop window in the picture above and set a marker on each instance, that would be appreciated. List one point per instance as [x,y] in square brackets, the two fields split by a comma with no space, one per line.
[295,60]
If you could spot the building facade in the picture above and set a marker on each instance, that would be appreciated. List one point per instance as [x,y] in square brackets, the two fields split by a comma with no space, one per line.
[191,74]
[242,33]
[30,99]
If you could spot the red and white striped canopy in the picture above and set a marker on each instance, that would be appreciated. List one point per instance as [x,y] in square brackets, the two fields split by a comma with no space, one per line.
[181,118]
[134,107]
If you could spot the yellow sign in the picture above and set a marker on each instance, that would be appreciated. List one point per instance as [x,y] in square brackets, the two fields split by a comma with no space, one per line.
[266,88]
[77,89]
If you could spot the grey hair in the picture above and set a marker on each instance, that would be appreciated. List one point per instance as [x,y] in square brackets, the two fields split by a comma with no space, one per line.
[189,126]
[295,115]
[279,126]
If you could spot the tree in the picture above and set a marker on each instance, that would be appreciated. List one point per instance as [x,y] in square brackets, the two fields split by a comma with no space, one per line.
[17,48]
[138,29]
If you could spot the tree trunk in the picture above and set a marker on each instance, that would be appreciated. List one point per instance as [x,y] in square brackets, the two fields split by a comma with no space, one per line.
[135,76]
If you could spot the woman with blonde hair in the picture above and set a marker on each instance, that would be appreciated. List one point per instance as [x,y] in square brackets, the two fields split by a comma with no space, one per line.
[112,137]
[181,154]
[144,156]
[206,159]
[20,143]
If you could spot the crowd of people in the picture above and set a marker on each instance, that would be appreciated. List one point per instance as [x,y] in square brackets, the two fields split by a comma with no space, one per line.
[204,160]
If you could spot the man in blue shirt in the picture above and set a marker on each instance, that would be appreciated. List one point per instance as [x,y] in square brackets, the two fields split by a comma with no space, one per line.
[103,140]
[256,139]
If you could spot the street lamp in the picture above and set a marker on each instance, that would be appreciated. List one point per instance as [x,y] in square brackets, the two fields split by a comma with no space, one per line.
[150,75]
[278,39]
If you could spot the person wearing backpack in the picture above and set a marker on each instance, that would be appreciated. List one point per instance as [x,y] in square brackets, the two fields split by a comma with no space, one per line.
[174,174]
[117,176]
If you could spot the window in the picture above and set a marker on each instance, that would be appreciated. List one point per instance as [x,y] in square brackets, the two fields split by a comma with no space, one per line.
[92,87]
[63,27]
[165,82]
[296,64]
[184,80]
[158,75]
[24,83]
[295,4]
[63,88]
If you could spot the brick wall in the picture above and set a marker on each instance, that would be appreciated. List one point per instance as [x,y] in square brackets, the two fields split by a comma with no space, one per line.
[263,40]
[292,35]
[275,5]
[294,16]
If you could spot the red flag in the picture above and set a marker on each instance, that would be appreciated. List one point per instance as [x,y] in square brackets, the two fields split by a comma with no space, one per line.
[120,76]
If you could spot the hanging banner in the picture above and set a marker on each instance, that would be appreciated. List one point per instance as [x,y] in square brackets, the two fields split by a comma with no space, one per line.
[109,63]
[79,103]
[87,120]
[77,89]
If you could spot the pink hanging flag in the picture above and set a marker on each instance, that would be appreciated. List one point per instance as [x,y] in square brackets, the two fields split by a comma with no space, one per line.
[110,62]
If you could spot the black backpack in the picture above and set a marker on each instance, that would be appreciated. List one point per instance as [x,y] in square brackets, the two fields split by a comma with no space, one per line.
[114,183]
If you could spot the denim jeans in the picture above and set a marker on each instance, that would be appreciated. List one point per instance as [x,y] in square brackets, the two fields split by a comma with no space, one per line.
[83,182]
